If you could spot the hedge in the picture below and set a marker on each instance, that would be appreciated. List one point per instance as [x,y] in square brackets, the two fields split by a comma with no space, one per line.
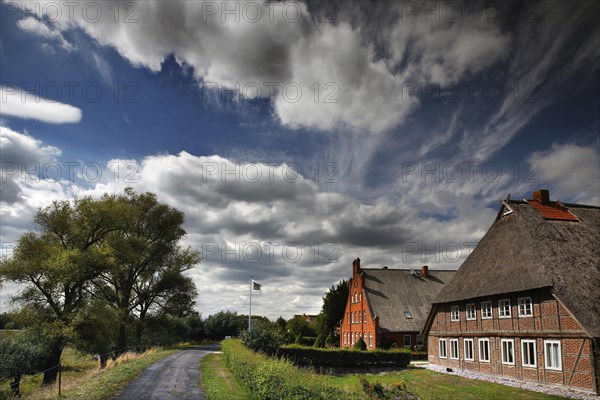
[304,356]
[273,378]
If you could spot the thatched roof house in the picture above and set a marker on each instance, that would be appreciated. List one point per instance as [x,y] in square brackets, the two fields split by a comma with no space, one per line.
[525,304]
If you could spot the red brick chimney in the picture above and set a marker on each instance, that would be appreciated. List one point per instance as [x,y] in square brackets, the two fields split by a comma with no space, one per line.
[356,267]
[424,271]
[542,195]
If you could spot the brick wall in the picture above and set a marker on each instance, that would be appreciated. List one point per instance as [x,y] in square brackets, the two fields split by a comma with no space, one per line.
[550,321]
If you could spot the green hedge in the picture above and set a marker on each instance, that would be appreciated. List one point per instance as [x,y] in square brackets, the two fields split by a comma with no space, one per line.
[305,356]
[275,379]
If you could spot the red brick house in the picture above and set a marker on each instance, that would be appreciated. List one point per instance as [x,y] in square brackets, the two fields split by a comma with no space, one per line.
[525,304]
[389,304]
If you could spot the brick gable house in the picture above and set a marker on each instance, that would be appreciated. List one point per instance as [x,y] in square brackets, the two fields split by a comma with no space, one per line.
[388,304]
[525,304]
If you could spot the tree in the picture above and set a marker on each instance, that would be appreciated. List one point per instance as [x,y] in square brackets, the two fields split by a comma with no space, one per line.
[299,326]
[148,263]
[334,305]
[58,263]
[94,329]
[360,344]
[225,323]
[21,354]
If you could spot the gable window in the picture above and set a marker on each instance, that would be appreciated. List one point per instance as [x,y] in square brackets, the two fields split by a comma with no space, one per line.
[442,344]
[552,354]
[525,307]
[471,311]
[528,354]
[365,317]
[508,351]
[454,313]
[407,341]
[469,353]
[407,314]
[484,350]
[504,308]
[454,349]
[486,309]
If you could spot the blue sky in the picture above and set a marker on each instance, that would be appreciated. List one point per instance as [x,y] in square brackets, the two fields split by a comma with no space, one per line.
[380,128]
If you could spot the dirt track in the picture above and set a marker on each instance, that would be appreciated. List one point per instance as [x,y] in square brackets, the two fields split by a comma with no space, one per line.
[174,377]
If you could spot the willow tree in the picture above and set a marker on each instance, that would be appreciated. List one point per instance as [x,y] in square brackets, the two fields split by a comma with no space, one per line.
[58,262]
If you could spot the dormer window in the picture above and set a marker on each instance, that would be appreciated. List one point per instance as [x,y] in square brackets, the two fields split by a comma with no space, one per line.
[407,314]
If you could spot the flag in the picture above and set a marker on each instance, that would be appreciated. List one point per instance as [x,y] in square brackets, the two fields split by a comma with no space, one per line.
[256,286]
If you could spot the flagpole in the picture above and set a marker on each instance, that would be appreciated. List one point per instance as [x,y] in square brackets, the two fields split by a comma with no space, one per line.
[250,313]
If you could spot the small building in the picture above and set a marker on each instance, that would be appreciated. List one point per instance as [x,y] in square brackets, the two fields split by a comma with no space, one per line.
[307,317]
[389,304]
[525,304]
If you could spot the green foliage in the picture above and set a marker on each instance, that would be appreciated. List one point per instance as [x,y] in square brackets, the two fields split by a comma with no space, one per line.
[263,338]
[224,323]
[299,326]
[360,344]
[275,379]
[22,354]
[331,340]
[377,391]
[332,311]
[94,330]
[305,340]
[298,339]
[385,344]
[306,356]
[319,341]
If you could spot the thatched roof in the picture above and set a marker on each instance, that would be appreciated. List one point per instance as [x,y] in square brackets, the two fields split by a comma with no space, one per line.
[524,250]
[391,292]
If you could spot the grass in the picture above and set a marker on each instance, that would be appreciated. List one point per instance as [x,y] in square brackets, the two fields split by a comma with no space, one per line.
[82,379]
[430,385]
[217,381]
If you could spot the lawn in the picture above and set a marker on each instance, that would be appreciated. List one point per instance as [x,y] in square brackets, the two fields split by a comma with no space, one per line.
[217,381]
[430,385]
[82,379]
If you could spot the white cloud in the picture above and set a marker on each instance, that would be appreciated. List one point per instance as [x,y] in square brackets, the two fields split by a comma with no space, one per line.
[21,104]
[41,29]
[572,170]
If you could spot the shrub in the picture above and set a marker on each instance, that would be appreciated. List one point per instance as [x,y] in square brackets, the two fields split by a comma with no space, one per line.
[377,391]
[360,344]
[21,354]
[330,341]
[271,378]
[304,356]
[319,342]
[263,339]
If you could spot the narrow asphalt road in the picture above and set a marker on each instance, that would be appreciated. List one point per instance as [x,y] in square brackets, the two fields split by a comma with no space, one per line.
[174,377]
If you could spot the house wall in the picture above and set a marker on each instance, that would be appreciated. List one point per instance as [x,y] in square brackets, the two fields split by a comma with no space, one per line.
[349,331]
[550,321]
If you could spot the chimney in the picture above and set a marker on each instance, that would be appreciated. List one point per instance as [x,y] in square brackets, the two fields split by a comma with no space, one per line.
[356,267]
[424,271]
[542,195]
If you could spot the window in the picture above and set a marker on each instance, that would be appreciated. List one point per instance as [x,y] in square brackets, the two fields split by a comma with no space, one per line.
[469,354]
[353,337]
[407,314]
[508,351]
[371,339]
[365,317]
[407,341]
[454,313]
[484,350]
[552,354]
[454,349]
[486,309]
[525,307]
[504,308]
[528,354]
[355,282]
[471,311]
[442,345]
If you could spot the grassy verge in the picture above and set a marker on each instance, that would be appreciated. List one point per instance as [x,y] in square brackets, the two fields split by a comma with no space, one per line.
[430,385]
[217,381]
[82,379]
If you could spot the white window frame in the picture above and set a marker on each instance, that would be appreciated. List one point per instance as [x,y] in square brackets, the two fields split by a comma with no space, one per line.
[473,317]
[520,301]
[501,308]
[512,344]
[487,344]
[472,350]
[445,347]
[455,341]
[365,316]
[525,342]
[552,342]
[409,341]
[370,339]
[452,310]
[487,305]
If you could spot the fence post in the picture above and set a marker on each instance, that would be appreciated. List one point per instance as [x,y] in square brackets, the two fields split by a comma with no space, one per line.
[59,379]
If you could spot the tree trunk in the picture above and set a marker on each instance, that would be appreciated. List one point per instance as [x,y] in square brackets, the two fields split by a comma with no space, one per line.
[103,359]
[52,361]
[15,386]
[122,341]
